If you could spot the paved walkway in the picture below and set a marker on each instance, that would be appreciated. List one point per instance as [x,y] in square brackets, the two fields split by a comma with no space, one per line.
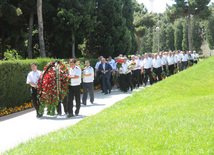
[22,128]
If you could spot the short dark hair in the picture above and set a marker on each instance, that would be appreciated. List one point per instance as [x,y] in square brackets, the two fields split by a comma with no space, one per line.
[33,63]
[72,61]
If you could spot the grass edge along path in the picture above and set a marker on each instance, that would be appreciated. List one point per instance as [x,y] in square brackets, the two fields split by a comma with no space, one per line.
[175,116]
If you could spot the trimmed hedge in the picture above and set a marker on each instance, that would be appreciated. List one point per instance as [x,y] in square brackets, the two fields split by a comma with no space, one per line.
[13,88]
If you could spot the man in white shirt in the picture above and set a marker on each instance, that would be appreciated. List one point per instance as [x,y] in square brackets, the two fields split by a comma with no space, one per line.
[179,58]
[88,83]
[32,80]
[127,74]
[196,57]
[147,68]
[163,62]
[171,63]
[136,72]
[74,89]
[157,67]
[184,60]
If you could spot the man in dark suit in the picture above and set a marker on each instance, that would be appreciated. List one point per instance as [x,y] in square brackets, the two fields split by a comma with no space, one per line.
[105,73]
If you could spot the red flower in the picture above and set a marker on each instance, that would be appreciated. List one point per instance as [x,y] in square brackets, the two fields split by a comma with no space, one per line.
[61,95]
[76,59]
[60,63]
[79,60]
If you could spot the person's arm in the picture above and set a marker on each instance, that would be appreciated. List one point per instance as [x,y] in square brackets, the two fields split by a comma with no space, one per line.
[162,67]
[142,68]
[90,73]
[33,85]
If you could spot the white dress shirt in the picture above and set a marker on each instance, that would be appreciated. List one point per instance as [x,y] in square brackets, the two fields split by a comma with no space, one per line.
[170,60]
[125,69]
[33,77]
[137,64]
[163,61]
[75,72]
[147,63]
[112,63]
[176,58]
[195,56]
[180,56]
[88,79]
[97,65]
[185,58]
[156,63]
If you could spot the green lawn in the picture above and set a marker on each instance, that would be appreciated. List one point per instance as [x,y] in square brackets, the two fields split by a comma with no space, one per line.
[175,116]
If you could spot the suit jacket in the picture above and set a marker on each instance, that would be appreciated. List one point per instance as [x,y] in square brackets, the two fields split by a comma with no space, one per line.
[107,67]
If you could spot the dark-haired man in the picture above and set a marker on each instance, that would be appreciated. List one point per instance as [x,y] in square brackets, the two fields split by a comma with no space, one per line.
[32,80]
[74,88]
[105,70]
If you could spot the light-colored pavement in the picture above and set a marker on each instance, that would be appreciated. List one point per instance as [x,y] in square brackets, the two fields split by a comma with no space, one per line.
[25,127]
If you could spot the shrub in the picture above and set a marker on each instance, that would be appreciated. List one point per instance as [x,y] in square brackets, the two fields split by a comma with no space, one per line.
[13,88]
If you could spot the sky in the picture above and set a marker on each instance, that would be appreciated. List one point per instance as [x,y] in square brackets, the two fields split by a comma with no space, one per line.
[159,6]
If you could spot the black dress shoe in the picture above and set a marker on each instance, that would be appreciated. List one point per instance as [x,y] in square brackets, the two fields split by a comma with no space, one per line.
[106,93]
[131,88]
[76,112]
[84,103]
[109,91]
[70,115]
[102,92]
[39,116]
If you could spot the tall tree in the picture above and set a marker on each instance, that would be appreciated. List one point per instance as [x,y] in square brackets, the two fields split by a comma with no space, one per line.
[184,8]
[41,29]
[209,27]
[178,34]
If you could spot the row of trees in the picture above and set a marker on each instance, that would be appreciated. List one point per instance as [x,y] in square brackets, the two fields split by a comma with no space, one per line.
[182,26]
[65,28]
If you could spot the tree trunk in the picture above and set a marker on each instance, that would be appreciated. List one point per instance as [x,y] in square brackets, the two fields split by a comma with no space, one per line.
[189,33]
[2,43]
[139,44]
[40,23]
[29,47]
[73,45]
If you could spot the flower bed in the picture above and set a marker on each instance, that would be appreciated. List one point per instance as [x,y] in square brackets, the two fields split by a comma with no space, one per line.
[16,109]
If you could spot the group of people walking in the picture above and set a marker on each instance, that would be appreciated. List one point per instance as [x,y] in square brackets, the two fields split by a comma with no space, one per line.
[131,73]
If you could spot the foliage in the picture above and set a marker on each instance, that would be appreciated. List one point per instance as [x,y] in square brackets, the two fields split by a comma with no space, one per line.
[210,28]
[13,88]
[178,120]
[12,55]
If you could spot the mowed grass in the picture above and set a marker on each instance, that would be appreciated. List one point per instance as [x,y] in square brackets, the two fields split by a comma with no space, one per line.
[175,116]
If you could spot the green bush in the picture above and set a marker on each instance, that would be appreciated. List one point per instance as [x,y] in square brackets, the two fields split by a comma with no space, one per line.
[13,88]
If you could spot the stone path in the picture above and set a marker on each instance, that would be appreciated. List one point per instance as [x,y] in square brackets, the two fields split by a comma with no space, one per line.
[25,127]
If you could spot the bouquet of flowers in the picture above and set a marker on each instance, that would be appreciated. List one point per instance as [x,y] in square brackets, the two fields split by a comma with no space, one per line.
[119,64]
[190,64]
[167,72]
[154,76]
[163,75]
[175,70]
[53,86]
[131,65]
